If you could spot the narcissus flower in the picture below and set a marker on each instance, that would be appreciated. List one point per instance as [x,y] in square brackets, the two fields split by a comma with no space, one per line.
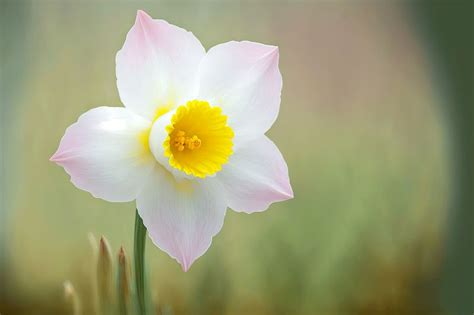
[189,142]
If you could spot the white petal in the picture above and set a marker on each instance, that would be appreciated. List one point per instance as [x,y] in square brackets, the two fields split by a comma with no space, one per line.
[104,153]
[157,65]
[181,217]
[255,177]
[243,78]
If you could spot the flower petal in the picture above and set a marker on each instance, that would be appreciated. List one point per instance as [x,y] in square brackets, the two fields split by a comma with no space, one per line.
[106,153]
[255,177]
[181,216]
[158,135]
[157,65]
[243,78]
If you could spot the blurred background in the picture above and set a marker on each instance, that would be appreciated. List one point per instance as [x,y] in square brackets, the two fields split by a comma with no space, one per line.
[381,222]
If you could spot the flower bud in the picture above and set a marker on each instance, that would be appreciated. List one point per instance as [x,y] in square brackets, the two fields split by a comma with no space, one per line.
[124,294]
[72,300]
[94,298]
[105,276]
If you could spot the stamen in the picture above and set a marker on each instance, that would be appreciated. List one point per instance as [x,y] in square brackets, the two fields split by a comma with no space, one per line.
[181,142]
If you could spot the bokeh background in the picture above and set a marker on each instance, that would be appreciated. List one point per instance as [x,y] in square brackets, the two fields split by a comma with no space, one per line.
[374,124]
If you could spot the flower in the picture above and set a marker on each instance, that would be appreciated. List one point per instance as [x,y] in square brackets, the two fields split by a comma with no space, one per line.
[189,142]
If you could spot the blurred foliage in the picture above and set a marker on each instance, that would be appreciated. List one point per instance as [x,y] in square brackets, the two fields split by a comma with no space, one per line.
[449,31]
[359,127]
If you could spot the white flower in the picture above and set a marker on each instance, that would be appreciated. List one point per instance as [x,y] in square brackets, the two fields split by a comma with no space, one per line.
[189,142]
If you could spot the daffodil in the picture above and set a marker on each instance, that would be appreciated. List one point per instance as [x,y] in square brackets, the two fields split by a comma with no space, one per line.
[190,140]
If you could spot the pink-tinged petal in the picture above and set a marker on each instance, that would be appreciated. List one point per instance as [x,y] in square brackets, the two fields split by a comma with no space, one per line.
[181,217]
[255,177]
[243,78]
[157,65]
[106,153]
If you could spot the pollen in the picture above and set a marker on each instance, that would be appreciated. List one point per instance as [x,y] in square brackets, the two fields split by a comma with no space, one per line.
[199,140]
[182,142]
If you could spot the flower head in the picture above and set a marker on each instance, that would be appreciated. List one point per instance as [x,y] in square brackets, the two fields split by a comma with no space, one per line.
[190,140]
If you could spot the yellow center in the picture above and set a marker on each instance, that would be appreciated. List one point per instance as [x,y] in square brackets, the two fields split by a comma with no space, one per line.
[199,140]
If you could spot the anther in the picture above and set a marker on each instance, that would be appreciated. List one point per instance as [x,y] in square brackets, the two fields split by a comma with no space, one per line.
[181,141]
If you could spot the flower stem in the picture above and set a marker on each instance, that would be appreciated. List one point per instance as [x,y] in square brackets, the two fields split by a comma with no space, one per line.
[139,254]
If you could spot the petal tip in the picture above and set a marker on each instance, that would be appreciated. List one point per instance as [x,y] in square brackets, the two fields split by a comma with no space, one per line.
[143,20]
[56,157]
[53,158]
[142,15]
[290,195]
[186,263]
[59,157]
[289,192]
[274,53]
[185,267]
[286,193]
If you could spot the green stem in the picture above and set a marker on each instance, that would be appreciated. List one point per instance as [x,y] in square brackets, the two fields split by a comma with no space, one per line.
[139,254]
